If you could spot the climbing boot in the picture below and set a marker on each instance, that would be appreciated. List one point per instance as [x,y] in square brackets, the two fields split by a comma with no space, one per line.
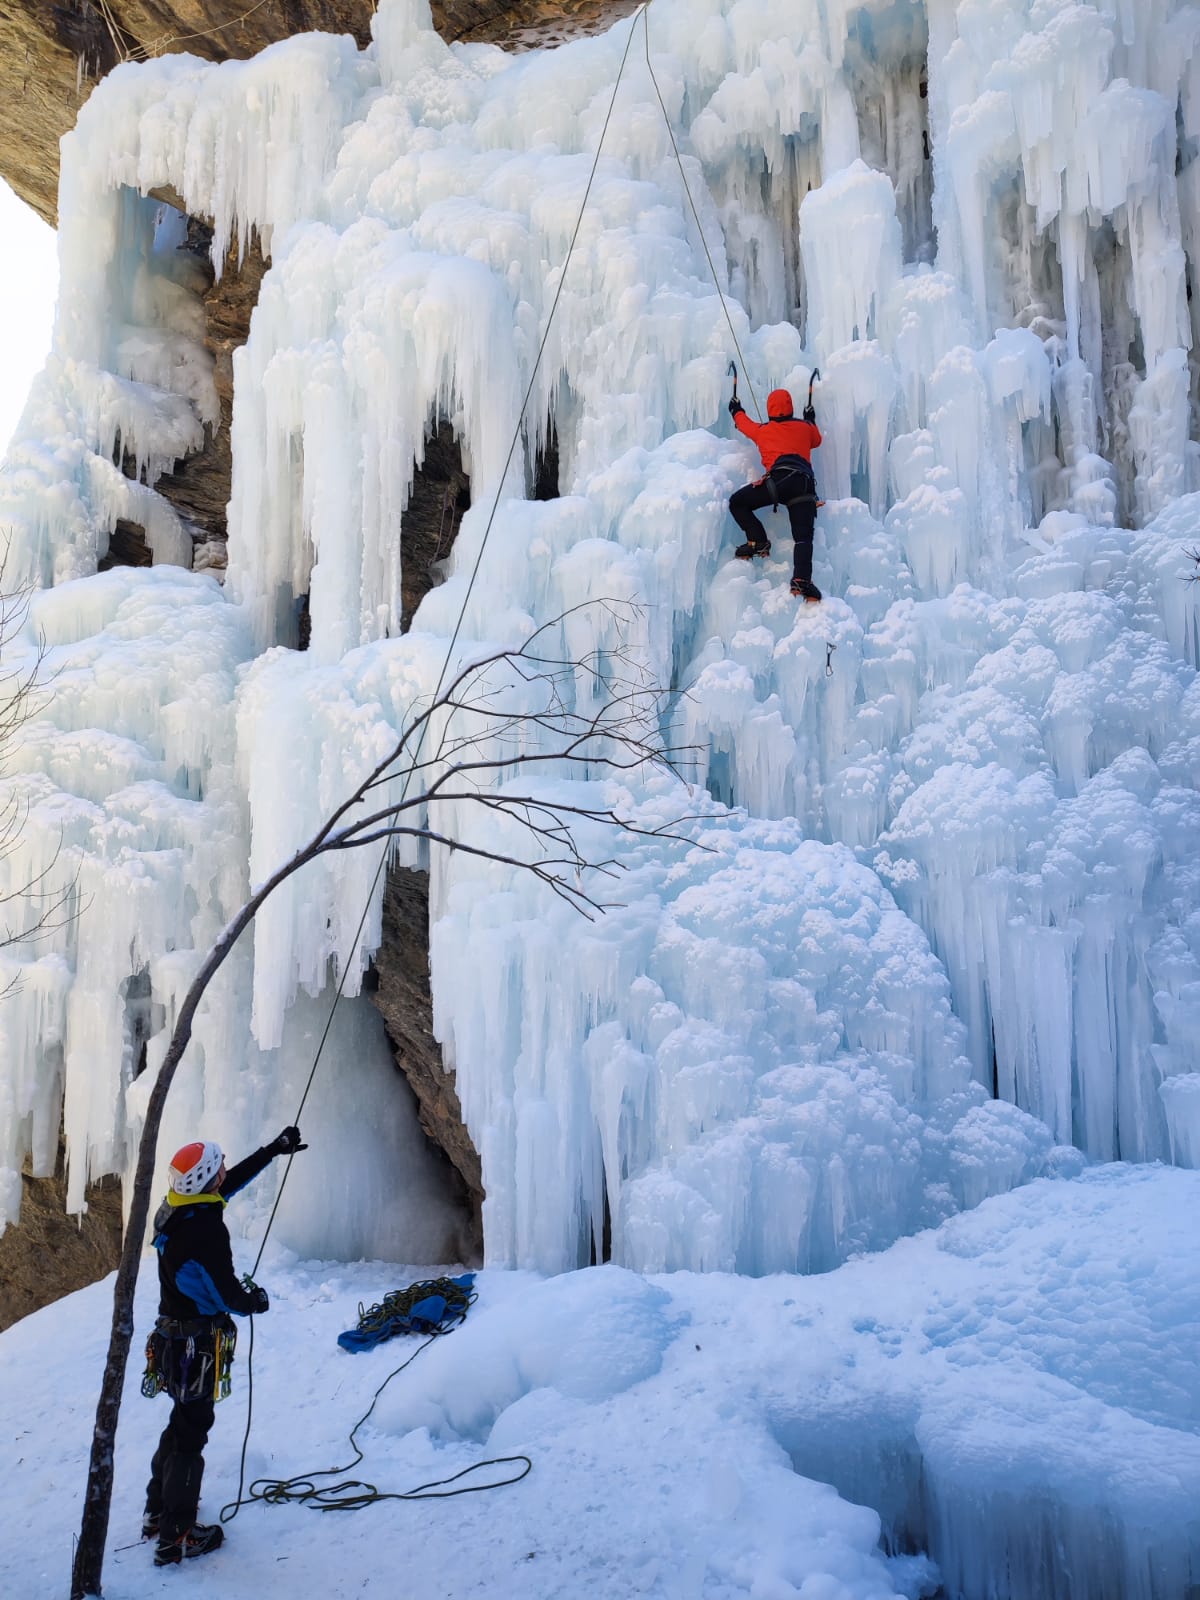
[803,589]
[747,552]
[200,1538]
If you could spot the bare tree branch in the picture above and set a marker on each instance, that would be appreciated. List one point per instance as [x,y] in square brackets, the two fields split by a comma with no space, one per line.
[24,690]
[526,711]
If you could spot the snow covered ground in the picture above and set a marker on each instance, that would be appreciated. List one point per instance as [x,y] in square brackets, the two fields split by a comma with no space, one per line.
[1015,1395]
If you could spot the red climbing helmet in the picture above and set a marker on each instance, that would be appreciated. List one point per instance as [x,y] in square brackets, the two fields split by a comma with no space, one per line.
[779,405]
[194,1167]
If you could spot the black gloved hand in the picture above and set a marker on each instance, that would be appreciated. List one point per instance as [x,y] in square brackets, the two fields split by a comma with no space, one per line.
[287,1143]
[810,414]
[259,1300]
[735,406]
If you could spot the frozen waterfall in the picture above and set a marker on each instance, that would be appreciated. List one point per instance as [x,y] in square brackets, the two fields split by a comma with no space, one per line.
[934,929]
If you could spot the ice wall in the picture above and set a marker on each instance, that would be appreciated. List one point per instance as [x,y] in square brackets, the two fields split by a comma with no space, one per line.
[968,867]
[132,857]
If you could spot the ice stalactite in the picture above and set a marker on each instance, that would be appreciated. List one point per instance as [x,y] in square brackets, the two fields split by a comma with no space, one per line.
[1041,99]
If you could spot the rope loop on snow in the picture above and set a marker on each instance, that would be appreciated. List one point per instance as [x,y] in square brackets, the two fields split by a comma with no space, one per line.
[352,1494]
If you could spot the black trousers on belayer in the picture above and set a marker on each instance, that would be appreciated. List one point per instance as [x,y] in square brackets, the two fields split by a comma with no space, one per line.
[789,483]
[177,1469]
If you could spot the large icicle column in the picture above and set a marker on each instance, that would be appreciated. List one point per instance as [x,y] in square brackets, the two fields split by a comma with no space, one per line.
[935,918]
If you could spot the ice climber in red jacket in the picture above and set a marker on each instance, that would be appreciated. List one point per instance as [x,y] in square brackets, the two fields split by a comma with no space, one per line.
[784,444]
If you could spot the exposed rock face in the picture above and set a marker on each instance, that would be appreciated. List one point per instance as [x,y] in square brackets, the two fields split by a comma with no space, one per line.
[51,1254]
[199,486]
[406,1005]
[54,54]
[441,492]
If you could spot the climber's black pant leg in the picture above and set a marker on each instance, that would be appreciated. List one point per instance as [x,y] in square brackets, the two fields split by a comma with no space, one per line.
[178,1467]
[743,503]
[796,488]
[803,516]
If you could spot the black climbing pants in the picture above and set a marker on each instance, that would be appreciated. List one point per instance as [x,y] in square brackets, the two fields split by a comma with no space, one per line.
[178,1467]
[789,483]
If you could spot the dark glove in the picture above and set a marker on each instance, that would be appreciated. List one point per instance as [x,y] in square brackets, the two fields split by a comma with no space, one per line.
[287,1143]
[736,407]
[810,414]
[259,1300]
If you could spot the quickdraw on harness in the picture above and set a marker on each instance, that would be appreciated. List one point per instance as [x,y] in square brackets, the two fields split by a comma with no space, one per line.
[436,1305]
[190,1360]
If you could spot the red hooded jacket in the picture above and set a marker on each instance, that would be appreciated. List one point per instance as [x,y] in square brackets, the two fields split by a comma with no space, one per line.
[783,435]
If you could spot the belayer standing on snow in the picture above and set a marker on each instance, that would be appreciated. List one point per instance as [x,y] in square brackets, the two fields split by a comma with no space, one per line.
[192,1344]
[784,444]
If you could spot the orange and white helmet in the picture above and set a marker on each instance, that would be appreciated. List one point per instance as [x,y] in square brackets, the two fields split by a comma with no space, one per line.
[194,1167]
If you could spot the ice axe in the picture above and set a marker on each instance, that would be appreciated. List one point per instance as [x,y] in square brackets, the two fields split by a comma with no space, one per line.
[812,378]
[733,374]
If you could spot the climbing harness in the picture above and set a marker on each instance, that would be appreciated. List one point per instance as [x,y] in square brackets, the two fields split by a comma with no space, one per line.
[781,495]
[802,466]
[190,1360]
[438,1305]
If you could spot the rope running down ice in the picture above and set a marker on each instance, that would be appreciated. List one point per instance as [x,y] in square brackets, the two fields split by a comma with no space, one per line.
[233,1506]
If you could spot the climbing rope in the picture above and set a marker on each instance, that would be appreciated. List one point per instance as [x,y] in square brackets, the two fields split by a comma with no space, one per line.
[351,1494]
[234,1505]
[436,1305]
[462,609]
[644,14]
[641,15]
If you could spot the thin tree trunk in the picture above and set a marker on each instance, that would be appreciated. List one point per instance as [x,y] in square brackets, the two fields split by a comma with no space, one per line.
[89,1555]
[547,823]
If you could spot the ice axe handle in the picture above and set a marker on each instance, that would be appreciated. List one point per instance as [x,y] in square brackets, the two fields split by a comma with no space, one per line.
[733,372]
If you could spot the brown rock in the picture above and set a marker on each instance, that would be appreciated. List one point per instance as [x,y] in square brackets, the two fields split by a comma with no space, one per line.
[406,1004]
[48,1254]
[54,54]
[199,487]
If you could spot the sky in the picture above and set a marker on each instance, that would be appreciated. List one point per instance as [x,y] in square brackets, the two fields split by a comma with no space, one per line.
[28,286]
